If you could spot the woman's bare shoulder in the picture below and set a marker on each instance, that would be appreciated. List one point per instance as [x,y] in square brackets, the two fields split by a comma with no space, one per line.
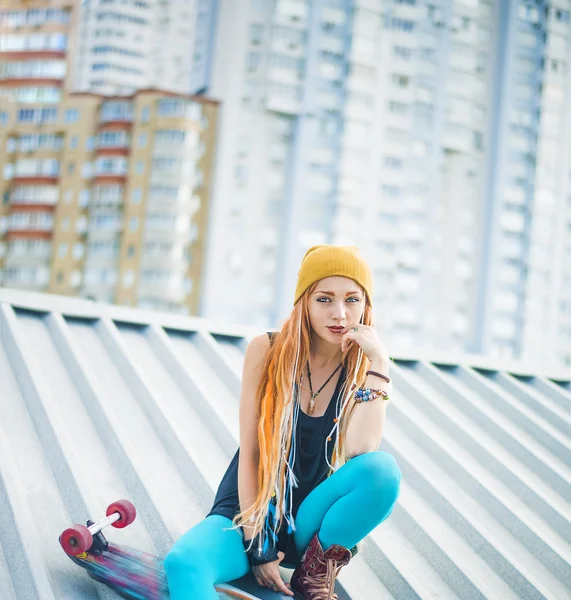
[257,349]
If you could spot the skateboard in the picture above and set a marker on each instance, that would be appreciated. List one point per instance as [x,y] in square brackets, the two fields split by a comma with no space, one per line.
[130,573]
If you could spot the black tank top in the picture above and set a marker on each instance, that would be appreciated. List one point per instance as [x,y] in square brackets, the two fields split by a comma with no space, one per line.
[310,468]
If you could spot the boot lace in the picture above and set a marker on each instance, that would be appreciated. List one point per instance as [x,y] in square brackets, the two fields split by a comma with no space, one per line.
[322,584]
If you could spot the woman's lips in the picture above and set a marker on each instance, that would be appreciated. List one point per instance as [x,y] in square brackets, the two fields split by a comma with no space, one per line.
[336,329]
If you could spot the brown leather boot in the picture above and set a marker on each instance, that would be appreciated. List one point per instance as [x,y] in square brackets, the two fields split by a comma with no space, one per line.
[314,578]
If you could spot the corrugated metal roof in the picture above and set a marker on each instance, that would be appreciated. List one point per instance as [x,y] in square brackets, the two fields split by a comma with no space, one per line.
[99,402]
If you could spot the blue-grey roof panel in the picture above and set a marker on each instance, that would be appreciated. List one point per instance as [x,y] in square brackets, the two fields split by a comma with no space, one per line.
[100,402]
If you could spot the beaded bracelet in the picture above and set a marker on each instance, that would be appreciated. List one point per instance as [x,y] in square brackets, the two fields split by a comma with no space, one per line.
[367,394]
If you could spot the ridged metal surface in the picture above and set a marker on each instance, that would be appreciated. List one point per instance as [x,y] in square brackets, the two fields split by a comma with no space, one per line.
[100,402]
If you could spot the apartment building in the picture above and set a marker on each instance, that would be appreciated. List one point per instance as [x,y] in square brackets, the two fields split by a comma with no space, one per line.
[35,45]
[395,125]
[105,197]
[524,303]
[123,46]
[108,197]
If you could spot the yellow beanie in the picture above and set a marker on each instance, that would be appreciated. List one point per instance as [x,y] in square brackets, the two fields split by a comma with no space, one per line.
[327,260]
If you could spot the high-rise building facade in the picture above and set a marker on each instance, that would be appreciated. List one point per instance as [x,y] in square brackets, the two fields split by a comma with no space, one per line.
[107,198]
[524,291]
[410,129]
[136,44]
[35,45]
[102,197]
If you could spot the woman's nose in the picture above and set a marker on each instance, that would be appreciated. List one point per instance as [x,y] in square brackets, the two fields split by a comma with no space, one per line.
[339,312]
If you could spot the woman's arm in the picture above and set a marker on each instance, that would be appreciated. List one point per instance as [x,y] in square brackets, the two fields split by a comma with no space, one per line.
[267,574]
[256,353]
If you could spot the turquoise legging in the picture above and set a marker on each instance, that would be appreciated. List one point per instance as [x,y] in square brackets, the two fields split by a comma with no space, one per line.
[344,509]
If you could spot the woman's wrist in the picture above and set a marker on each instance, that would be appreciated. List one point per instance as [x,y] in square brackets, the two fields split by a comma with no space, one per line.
[255,558]
[380,364]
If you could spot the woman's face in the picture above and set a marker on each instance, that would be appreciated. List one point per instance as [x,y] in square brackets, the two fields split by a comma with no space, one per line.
[336,302]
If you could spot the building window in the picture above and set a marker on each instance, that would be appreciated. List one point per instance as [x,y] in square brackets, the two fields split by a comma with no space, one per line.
[128,278]
[142,140]
[133,223]
[37,115]
[399,108]
[8,172]
[111,166]
[113,139]
[145,114]
[393,163]
[401,80]
[252,61]
[399,24]
[255,34]
[136,195]
[84,198]
[402,52]
[73,140]
[71,115]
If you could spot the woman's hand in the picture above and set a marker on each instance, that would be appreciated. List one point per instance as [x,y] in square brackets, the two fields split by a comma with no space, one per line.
[268,575]
[366,337]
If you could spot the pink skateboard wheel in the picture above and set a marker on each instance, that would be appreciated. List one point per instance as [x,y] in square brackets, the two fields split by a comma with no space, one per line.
[127,511]
[76,540]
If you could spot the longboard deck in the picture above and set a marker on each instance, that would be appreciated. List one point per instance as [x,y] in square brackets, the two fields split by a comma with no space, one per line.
[133,574]
[137,575]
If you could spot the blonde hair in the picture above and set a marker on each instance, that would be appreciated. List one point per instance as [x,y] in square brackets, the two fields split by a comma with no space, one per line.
[275,409]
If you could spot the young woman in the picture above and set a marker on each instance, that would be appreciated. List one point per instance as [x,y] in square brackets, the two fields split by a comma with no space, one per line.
[307,483]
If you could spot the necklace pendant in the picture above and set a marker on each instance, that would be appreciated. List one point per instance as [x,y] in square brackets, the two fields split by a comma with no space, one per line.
[311,406]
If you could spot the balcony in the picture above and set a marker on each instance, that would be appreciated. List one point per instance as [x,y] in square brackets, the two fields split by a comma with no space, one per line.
[113,142]
[32,223]
[282,103]
[23,196]
[116,112]
[28,259]
[106,202]
[105,225]
[27,278]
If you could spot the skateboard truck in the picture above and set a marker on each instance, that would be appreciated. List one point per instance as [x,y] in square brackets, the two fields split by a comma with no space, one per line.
[80,539]
[99,543]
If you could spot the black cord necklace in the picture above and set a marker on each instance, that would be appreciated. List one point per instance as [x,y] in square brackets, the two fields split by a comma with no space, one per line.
[313,395]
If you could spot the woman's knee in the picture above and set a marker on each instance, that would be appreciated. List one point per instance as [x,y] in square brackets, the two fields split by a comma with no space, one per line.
[378,470]
[189,562]
[208,552]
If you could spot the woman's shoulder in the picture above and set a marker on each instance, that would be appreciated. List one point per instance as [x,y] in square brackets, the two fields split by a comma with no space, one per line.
[259,344]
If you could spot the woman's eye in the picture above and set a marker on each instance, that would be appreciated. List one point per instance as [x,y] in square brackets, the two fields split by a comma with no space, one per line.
[352,298]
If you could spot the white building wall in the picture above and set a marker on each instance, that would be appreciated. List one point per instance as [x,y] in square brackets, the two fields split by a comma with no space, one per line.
[123,47]
[235,288]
